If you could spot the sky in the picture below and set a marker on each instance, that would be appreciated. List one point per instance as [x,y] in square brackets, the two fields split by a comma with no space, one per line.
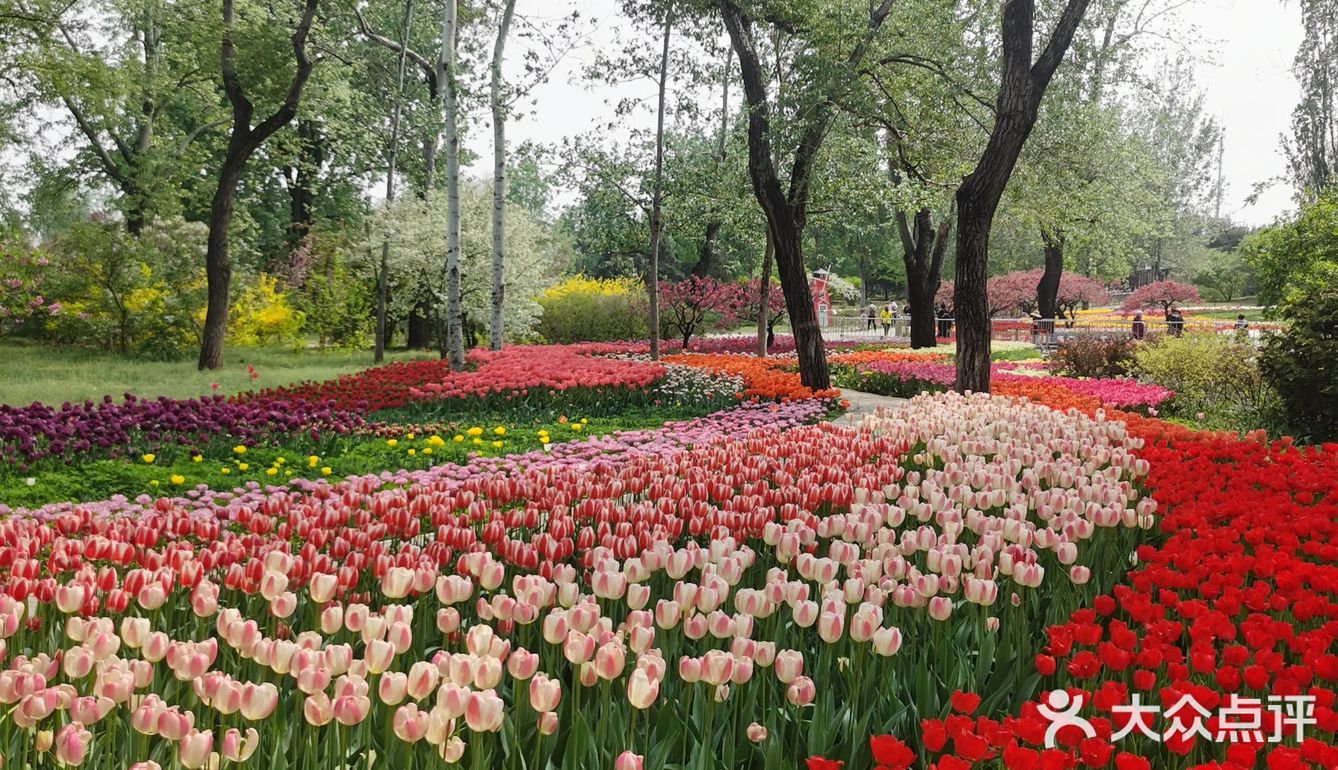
[1242,48]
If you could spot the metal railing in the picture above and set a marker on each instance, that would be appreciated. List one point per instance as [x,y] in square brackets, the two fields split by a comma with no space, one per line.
[1044,333]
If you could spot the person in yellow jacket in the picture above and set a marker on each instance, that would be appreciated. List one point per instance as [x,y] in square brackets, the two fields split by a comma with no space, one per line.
[886,317]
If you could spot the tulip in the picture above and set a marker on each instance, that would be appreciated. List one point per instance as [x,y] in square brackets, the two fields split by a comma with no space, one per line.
[610,659]
[236,749]
[409,724]
[483,712]
[522,664]
[940,608]
[195,748]
[259,701]
[801,692]
[350,710]
[789,665]
[756,733]
[547,724]
[628,761]
[392,687]
[71,744]
[423,678]
[322,587]
[44,740]
[642,690]
[544,693]
[317,709]
[452,750]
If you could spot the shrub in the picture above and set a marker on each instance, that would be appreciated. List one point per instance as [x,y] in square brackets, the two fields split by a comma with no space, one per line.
[140,295]
[1302,362]
[582,309]
[1216,374]
[1094,357]
[23,304]
[261,315]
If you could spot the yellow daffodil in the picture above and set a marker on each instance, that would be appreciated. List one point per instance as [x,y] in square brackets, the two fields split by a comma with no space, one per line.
[427,450]
[412,451]
[312,460]
[390,442]
[436,440]
[499,430]
[148,458]
[240,449]
[409,436]
[459,438]
[243,467]
[584,420]
[326,471]
[544,439]
[475,431]
[576,426]
[271,471]
[177,478]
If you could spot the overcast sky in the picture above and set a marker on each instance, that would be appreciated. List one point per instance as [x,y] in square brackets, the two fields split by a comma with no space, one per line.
[1243,48]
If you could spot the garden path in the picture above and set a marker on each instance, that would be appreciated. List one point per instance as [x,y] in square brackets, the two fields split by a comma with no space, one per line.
[862,404]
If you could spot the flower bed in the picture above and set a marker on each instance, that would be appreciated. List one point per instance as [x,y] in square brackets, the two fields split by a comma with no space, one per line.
[769,379]
[618,599]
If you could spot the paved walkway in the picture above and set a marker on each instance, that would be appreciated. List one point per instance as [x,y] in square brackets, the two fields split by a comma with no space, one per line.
[862,404]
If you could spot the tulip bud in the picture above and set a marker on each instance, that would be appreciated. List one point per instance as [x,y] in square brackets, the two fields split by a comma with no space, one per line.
[628,761]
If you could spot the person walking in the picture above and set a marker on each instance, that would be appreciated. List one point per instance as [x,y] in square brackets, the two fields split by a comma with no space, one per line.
[1139,328]
[886,317]
[1177,322]
[944,320]
[871,315]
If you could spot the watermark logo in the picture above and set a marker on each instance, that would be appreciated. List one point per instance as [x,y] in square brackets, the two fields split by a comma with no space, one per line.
[1237,720]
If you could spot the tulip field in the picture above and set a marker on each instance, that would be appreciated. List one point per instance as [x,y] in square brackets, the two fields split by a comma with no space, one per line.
[605,561]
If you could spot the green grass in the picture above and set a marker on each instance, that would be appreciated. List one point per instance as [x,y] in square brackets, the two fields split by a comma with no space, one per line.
[223,469]
[54,375]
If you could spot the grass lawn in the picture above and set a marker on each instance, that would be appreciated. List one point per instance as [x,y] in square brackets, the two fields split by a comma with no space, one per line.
[54,375]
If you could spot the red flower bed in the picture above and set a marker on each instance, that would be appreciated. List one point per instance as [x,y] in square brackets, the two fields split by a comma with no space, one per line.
[1241,600]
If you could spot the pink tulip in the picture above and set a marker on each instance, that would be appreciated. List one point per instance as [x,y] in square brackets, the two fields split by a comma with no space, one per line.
[332,619]
[452,750]
[667,613]
[77,663]
[379,655]
[71,744]
[886,641]
[204,599]
[801,691]
[487,673]
[940,608]
[283,605]
[789,665]
[544,693]
[483,712]
[578,648]
[756,733]
[547,724]
[642,690]
[317,709]
[322,587]
[831,625]
[195,748]
[610,659]
[392,687]
[423,679]
[147,764]
[522,664]
[234,748]
[448,620]
[350,710]
[89,710]
[410,724]
[628,761]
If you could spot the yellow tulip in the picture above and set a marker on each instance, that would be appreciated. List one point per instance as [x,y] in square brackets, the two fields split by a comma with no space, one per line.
[148,458]
[240,449]
[326,471]
[243,467]
[499,430]
[177,478]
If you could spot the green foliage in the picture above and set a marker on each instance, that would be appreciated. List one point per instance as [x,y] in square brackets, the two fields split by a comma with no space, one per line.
[133,295]
[1086,356]
[1217,375]
[1302,362]
[1293,253]
[596,310]
[261,315]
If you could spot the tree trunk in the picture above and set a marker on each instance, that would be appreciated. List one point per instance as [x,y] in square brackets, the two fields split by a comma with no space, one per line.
[1047,290]
[657,192]
[301,197]
[419,334]
[808,344]
[764,335]
[499,179]
[455,347]
[1022,84]
[706,256]
[383,274]
[242,143]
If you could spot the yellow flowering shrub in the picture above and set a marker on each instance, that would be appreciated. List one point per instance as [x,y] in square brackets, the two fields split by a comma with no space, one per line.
[585,309]
[261,315]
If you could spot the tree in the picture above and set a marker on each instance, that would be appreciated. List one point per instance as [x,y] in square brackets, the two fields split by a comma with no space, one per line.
[454,338]
[1163,294]
[787,210]
[1312,149]
[498,105]
[243,141]
[656,195]
[1292,252]
[753,295]
[1022,85]
[694,302]
[382,275]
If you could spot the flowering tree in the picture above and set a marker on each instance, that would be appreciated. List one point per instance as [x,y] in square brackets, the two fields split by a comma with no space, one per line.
[694,302]
[22,274]
[1075,290]
[1161,294]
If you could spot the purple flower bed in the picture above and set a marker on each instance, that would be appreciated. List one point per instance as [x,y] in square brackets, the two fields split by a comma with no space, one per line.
[36,434]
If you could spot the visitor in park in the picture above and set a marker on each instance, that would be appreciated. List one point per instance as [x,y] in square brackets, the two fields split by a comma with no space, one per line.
[886,317]
[944,320]
[1175,322]
[871,315]
[1242,326]
[1139,328]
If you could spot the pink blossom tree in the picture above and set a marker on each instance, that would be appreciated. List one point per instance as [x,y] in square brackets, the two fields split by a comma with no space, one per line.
[1075,290]
[748,306]
[694,303]
[22,274]
[1161,294]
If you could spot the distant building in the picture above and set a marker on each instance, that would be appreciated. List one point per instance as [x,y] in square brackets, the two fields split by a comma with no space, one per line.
[822,301]
[1142,276]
